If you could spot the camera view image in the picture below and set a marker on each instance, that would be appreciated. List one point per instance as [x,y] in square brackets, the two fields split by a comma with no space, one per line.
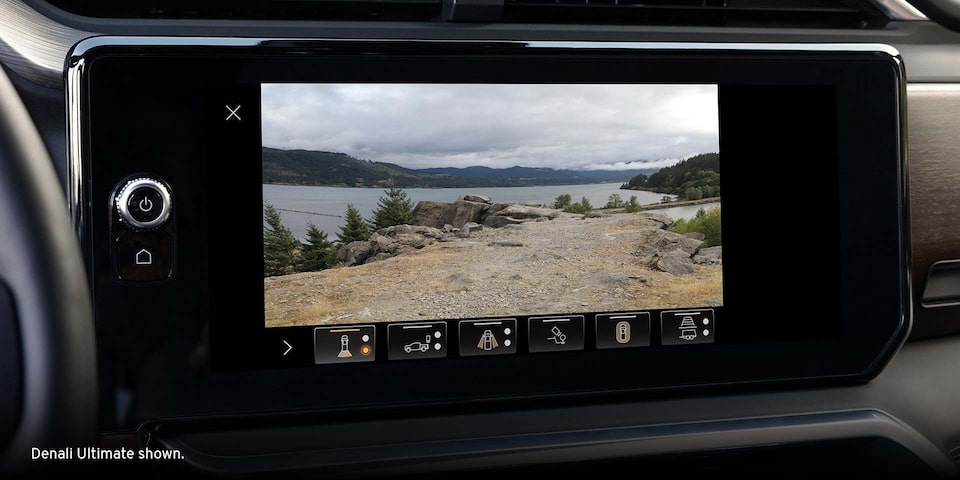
[407,202]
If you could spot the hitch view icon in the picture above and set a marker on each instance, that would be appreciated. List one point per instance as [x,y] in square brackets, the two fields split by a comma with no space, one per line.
[690,326]
[558,337]
[688,329]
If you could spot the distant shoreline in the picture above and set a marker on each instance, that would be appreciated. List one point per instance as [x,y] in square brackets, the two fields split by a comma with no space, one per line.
[682,203]
[441,188]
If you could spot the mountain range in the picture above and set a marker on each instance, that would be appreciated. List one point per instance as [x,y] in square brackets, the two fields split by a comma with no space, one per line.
[306,167]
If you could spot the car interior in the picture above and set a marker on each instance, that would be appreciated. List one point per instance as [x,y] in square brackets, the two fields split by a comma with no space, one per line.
[425,238]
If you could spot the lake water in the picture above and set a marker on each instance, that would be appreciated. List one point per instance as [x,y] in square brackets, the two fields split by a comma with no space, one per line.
[327,205]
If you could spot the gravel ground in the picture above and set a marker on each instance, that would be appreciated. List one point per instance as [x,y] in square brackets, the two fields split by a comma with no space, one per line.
[567,265]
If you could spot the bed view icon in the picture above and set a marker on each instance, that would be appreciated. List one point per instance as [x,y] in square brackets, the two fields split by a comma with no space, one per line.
[685,327]
[488,337]
[411,341]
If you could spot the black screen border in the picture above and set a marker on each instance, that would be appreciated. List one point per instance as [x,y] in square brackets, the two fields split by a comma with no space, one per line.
[864,344]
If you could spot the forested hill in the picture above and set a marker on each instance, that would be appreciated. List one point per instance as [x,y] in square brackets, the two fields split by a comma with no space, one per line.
[305,167]
[691,179]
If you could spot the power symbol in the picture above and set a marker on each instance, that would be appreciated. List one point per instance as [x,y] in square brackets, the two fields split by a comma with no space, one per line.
[145,205]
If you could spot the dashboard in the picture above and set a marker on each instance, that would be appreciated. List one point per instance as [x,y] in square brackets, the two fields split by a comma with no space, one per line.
[412,247]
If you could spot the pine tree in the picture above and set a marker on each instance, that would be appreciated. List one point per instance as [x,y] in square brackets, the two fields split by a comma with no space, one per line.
[316,254]
[279,244]
[393,209]
[614,201]
[355,229]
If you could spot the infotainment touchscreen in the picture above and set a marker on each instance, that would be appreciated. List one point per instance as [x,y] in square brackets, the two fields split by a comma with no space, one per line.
[326,223]
[420,202]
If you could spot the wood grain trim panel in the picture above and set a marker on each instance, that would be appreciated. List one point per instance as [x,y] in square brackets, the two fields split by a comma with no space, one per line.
[933,123]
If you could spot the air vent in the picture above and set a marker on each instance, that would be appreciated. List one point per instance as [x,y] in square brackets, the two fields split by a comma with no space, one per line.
[385,10]
[740,13]
[763,13]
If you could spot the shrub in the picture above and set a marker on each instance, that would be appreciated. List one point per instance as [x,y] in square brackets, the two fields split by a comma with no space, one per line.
[666,199]
[583,206]
[615,201]
[632,205]
[562,201]
[706,222]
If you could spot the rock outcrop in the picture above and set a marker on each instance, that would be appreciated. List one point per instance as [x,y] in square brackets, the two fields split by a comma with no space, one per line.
[438,214]
[388,242]
[477,198]
[709,256]
[676,253]
[477,209]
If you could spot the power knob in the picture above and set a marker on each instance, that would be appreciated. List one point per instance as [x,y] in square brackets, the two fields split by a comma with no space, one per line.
[144,203]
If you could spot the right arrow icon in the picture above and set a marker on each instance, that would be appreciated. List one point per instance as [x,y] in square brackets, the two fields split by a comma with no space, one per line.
[289,347]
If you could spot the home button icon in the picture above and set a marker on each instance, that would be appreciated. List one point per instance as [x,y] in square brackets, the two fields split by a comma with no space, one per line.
[144,257]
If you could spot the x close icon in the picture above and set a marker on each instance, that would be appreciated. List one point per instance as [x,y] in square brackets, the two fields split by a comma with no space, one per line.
[232,113]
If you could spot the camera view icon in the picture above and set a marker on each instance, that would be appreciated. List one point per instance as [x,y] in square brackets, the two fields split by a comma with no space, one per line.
[558,337]
[555,334]
[622,329]
[623,332]
[421,347]
[409,341]
[488,341]
[344,347]
[480,337]
[688,329]
[343,344]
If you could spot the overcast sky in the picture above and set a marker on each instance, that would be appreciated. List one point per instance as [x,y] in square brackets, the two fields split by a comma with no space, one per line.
[434,125]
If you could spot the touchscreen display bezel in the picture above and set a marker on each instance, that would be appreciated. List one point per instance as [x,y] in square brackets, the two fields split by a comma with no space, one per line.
[219,357]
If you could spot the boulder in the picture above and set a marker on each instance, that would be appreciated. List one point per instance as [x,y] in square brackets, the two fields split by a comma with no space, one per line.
[469,228]
[387,242]
[428,213]
[595,214]
[384,244]
[657,220]
[378,257]
[696,235]
[660,242]
[397,231]
[477,198]
[676,262]
[472,227]
[460,212]
[523,212]
[355,253]
[496,207]
[709,256]
[439,214]
[497,221]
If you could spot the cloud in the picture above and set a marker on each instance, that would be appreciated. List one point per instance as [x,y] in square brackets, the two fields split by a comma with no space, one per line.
[439,125]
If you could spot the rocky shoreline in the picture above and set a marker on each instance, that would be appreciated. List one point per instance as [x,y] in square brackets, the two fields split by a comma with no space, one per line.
[433,222]
[480,259]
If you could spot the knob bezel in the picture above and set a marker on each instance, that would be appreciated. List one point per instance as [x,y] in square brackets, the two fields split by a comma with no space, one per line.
[123,198]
